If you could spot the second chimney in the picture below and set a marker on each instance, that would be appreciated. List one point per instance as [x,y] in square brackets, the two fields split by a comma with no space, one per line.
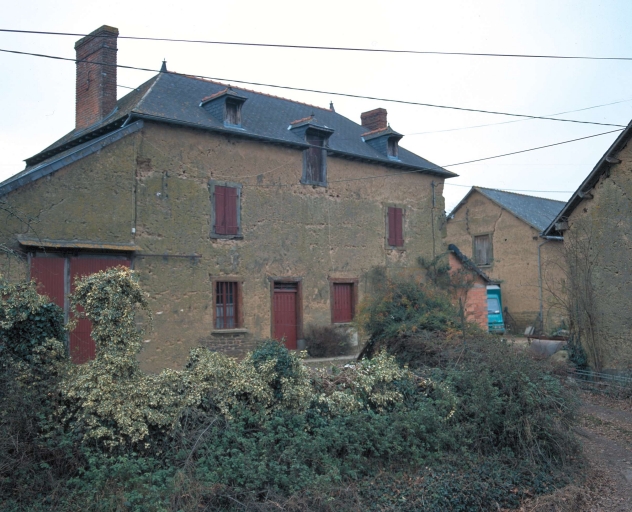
[96,76]
[374,119]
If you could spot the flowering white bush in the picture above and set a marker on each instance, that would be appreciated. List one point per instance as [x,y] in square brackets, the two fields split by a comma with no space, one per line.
[115,404]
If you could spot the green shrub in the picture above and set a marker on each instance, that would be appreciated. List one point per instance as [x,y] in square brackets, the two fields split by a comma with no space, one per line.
[455,426]
[402,308]
[28,323]
[326,341]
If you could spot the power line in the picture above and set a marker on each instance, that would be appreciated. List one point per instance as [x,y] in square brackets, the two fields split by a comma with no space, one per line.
[330,93]
[518,120]
[275,185]
[533,149]
[335,48]
[477,160]
[515,189]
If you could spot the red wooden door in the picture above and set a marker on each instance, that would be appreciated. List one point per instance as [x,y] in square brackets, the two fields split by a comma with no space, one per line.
[343,302]
[285,318]
[81,345]
[49,275]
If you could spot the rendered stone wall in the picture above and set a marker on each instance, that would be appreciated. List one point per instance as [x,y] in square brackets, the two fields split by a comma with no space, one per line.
[604,223]
[156,181]
[515,260]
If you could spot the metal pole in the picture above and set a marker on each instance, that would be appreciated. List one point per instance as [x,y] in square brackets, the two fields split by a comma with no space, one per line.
[540,285]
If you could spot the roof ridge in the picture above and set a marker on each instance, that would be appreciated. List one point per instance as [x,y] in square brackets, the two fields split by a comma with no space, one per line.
[476,187]
[149,89]
[250,90]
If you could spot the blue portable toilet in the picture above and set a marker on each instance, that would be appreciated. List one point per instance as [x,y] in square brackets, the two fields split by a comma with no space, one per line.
[495,319]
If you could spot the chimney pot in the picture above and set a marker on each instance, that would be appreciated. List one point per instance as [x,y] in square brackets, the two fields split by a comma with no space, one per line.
[374,119]
[96,76]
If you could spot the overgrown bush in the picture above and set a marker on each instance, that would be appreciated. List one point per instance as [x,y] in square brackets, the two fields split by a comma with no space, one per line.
[34,453]
[454,426]
[327,341]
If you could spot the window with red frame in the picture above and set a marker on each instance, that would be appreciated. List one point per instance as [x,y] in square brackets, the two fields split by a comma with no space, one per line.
[227,305]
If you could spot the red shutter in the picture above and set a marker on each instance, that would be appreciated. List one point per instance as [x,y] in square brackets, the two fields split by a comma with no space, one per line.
[231,211]
[399,232]
[391,226]
[49,275]
[220,210]
[81,345]
[343,302]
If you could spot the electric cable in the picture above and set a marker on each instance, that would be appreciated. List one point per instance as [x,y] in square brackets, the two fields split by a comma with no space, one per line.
[316,91]
[330,48]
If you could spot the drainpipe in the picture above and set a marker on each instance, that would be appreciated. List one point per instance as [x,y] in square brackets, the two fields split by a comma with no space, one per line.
[540,284]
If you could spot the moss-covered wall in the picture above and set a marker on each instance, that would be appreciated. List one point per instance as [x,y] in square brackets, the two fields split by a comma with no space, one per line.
[156,182]
[515,259]
[90,200]
[601,233]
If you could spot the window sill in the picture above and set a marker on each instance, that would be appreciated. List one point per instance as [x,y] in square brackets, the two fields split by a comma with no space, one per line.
[238,330]
[314,183]
[238,236]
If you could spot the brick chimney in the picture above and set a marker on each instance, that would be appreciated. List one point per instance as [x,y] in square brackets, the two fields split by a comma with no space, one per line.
[374,119]
[96,77]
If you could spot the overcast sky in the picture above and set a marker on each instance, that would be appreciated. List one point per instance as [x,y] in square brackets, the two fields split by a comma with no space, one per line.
[38,95]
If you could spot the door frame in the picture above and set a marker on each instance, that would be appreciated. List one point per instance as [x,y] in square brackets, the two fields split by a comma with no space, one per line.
[299,303]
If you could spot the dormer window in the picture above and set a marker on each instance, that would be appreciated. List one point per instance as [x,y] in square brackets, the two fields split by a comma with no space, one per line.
[232,114]
[225,107]
[315,155]
[314,159]
[385,141]
[392,147]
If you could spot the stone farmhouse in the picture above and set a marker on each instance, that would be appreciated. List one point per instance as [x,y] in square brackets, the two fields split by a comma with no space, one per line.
[245,215]
[500,231]
[596,224]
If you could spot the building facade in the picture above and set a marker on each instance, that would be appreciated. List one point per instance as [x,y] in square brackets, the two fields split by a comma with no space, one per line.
[596,225]
[245,215]
[500,231]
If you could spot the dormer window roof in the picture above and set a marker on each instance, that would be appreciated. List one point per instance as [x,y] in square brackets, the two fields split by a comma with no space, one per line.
[301,127]
[385,141]
[225,106]
[315,155]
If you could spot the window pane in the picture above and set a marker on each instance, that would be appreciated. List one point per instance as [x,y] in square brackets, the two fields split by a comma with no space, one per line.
[226,305]
[482,250]
[314,159]
[493,306]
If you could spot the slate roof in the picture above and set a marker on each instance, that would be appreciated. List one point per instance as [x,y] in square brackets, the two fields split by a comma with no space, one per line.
[603,165]
[538,212]
[176,98]
[469,264]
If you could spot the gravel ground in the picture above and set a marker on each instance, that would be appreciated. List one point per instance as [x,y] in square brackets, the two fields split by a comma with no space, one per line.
[605,430]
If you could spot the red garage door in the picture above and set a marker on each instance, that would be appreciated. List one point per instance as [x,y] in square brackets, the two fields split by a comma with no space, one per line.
[49,275]
[81,345]
[49,272]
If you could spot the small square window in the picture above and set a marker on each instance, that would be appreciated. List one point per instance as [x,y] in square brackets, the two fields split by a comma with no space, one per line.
[395,226]
[227,305]
[483,249]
